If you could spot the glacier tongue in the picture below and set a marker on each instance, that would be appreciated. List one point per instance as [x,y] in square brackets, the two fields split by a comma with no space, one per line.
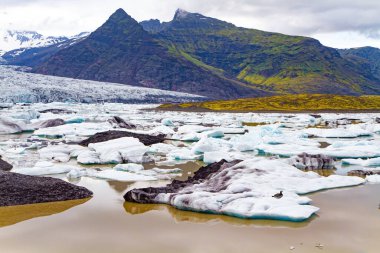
[22,87]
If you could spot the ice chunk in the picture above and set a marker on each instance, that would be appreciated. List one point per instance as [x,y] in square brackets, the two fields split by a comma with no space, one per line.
[136,155]
[167,122]
[349,132]
[161,148]
[76,129]
[130,167]
[61,153]
[45,168]
[88,157]
[11,126]
[366,163]
[211,144]
[123,176]
[246,190]
[374,179]
[167,171]
[78,173]
[119,150]
[183,154]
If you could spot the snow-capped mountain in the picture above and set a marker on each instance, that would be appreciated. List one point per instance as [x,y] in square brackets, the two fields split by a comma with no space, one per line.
[11,40]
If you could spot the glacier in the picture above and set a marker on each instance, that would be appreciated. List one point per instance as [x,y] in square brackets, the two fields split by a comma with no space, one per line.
[22,87]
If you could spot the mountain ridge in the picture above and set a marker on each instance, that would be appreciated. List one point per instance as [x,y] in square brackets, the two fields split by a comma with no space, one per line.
[206,56]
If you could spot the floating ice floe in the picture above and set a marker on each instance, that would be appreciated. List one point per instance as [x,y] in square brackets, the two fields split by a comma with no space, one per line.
[61,153]
[75,129]
[12,126]
[183,154]
[374,179]
[245,190]
[167,122]
[45,168]
[127,149]
[349,132]
[127,173]
[362,162]
[354,151]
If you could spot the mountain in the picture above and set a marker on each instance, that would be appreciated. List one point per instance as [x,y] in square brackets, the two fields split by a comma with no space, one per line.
[275,62]
[369,57]
[10,40]
[32,56]
[122,51]
[202,55]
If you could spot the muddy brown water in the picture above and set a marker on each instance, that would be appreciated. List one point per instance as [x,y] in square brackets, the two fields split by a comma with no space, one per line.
[349,221]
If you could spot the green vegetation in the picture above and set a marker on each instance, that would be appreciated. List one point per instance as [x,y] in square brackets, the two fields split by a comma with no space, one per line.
[271,62]
[300,102]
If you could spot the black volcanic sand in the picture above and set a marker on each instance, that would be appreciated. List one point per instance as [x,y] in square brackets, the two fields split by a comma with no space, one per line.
[5,166]
[17,189]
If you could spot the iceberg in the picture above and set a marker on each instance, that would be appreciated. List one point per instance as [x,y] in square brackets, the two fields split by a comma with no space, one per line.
[362,162]
[246,190]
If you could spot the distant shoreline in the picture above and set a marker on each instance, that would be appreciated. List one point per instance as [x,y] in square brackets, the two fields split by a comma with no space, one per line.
[197,109]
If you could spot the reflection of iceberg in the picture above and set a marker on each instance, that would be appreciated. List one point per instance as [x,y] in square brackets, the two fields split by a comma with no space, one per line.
[15,214]
[194,217]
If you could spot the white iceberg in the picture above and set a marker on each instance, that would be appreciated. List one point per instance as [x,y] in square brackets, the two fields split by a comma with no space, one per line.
[362,162]
[246,189]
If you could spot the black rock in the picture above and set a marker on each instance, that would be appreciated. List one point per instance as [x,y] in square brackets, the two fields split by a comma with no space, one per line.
[120,123]
[147,195]
[17,189]
[4,165]
[111,135]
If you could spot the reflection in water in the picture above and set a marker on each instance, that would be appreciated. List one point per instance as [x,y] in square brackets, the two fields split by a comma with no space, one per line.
[119,186]
[324,173]
[15,214]
[194,217]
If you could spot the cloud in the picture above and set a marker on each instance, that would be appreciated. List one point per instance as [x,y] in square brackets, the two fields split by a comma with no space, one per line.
[297,17]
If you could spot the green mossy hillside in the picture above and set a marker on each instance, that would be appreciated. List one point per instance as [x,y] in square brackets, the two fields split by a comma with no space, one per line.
[299,102]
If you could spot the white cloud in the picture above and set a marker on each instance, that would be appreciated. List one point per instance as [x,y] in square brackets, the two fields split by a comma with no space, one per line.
[339,23]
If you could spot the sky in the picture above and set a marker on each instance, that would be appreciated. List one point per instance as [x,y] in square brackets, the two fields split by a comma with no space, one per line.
[336,23]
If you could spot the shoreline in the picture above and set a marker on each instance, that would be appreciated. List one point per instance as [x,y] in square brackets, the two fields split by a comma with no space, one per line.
[197,109]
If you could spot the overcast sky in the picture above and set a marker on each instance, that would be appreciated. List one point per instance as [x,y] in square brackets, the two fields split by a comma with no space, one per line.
[337,23]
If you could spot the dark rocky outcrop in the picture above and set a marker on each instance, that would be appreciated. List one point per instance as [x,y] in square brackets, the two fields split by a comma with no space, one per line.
[17,189]
[111,135]
[147,195]
[306,161]
[4,166]
[118,122]
[363,173]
